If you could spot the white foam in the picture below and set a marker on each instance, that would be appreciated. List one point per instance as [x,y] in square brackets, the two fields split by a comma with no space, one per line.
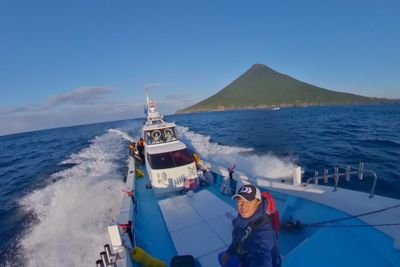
[266,165]
[75,211]
[122,134]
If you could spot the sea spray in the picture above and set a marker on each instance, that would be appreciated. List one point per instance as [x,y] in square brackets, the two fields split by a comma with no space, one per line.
[74,211]
[266,165]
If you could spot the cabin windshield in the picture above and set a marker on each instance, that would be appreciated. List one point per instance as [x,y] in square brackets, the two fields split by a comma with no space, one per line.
[169,159]
[159,136]
[156,121]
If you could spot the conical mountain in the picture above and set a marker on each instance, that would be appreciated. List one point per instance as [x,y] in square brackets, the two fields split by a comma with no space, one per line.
[263,87]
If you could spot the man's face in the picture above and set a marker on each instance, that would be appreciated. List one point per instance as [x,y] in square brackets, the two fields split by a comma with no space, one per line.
[247,208]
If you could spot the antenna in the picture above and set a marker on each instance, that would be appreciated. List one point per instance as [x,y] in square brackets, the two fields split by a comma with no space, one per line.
[146,88]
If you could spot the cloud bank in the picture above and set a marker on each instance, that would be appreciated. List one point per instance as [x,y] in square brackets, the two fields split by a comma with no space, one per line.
[79,106]
[80,96]
[83,105]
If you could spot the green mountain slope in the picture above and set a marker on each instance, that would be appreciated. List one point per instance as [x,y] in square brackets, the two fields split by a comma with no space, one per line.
[262,87]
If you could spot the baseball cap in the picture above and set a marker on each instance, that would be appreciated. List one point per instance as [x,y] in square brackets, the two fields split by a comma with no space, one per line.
[248,192]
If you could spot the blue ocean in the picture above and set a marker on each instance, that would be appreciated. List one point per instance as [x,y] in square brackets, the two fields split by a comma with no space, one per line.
[60,188]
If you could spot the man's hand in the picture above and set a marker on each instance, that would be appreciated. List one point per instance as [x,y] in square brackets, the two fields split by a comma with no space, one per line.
[225,258]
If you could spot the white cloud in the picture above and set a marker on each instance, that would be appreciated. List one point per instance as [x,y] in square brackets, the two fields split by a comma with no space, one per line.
[16,110]
[80,106]
[67,116]
[152,86]
[83,95]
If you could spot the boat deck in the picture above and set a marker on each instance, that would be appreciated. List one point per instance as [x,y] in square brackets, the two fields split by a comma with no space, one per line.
[200,225]
[150,229]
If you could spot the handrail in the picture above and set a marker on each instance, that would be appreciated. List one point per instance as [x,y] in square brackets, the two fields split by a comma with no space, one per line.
[347,173]
[121,232]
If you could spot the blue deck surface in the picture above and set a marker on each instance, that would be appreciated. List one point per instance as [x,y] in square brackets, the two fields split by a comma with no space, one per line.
[312,246]
[326,248]
[151,232]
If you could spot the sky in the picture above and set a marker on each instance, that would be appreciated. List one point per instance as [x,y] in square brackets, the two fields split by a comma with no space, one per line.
[75,62]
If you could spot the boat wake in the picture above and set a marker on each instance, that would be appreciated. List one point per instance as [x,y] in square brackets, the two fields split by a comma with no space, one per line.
[267,165]
[74,210]
[122,134]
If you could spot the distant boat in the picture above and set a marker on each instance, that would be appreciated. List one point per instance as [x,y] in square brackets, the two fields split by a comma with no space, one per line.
[321,225]
[276,108]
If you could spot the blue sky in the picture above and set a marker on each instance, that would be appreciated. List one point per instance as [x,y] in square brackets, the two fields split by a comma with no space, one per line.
[75,62]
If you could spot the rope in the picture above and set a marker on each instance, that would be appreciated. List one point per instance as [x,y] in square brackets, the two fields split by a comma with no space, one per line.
[352,217]
[355,225]
[295,225]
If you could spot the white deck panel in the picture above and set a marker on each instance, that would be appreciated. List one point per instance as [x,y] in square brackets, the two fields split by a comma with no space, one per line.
[178,213]
[208,206]
[196,240]
[223,226]
[198,220]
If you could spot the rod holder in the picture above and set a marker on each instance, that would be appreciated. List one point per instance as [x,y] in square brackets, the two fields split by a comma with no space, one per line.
[109,255]
[336,178]
[361,171]
[347,174]
[348,168]
[316,177]
[326,176]
[104,258]
[99,263]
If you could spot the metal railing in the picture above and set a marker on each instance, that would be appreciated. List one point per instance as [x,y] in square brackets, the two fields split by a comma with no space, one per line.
[107,258]
[347,174]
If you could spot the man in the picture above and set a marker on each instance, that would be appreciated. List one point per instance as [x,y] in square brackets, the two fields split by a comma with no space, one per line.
[254,242]
[132,149]
[140,148]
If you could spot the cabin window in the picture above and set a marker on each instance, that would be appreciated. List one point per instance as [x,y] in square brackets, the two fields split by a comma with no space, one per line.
[169,159]
[161,161]
[169,134]
[160,136]
[182,157]
[147,138]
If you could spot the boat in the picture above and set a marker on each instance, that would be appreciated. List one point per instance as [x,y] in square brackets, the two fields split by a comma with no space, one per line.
[169,164]
[161,222]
